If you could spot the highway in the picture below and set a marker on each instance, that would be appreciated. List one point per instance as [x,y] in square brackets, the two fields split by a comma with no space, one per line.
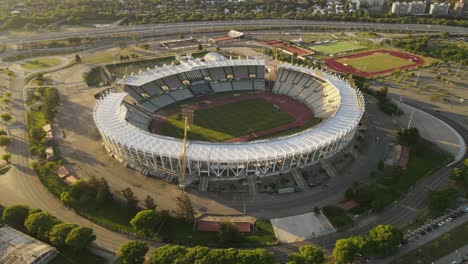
[211,26]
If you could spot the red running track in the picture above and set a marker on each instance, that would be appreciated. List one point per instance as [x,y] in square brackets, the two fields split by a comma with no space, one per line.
[301,112]
[333,63]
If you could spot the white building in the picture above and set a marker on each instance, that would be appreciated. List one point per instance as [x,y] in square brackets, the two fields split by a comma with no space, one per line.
[439,9]
[417,8]
[413,8]
[400,8]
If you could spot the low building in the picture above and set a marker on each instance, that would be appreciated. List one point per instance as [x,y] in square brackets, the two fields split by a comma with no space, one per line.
[62,171]
[49,153]
[439,9]
[16,247]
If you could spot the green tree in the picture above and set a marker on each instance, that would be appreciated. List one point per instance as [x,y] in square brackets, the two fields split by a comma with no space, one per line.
[385,239]
[167,254]
[15,215]
[51,99]
[200,47]
[149,203]
[39,224]
[146,221]
[6,117]
[58,234]
[345,251]
[132,201]
[103,193]
[307,255]
[228,233]
[409,136]
[79,238]
[132,252]
[4,141]
[6,157]
[184,208]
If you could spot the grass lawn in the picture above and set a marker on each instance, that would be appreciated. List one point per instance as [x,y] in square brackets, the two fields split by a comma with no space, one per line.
[111,55]
[437,248]
[421,162]
[40,63]
[337,47]
[118,70]
[375,62]
[229,121]
[313,121]
[337,216]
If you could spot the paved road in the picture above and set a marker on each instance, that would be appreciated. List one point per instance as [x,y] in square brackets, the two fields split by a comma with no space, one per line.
[401,213]
[209,26]
[21,184]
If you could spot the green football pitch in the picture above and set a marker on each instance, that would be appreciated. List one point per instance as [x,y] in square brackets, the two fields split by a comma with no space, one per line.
[375,62]
[229,121]
[337,47]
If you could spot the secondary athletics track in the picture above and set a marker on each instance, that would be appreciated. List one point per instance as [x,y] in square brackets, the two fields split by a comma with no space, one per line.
[333,63]
[301,112]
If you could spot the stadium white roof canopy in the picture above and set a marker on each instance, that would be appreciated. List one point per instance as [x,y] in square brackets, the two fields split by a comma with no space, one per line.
[345,119]
[160,72]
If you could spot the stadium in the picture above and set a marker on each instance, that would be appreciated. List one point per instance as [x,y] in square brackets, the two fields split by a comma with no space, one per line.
[129,120]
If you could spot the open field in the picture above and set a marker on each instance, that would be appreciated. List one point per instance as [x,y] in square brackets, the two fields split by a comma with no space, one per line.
[337,47]
[229,121]
[374,62]
[113,55]
[40,63]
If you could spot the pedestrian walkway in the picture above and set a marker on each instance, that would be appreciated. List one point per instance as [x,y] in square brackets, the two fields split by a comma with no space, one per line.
[457,255]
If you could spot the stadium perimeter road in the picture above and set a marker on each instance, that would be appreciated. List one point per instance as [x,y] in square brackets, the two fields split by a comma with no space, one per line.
[211,26]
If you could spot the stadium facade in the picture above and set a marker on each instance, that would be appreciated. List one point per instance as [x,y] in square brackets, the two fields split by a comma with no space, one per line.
[123,118]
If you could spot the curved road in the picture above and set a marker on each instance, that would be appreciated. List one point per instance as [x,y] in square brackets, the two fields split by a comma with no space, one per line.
[210,26]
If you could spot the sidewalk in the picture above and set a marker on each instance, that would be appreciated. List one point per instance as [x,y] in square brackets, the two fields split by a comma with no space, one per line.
[462,252]
[421,240]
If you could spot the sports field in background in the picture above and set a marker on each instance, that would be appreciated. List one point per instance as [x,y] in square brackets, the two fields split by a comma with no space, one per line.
[376,62]
[229,121]
[337,47]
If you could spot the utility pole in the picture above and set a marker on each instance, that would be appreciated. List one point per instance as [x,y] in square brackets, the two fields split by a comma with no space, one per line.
[417,78]
[399,104]
[459,65]
[411,119]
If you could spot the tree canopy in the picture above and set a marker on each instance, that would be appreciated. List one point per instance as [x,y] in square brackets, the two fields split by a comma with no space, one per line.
[15,215]
[132,252]
[39,224]
[307,255]
[385,239]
